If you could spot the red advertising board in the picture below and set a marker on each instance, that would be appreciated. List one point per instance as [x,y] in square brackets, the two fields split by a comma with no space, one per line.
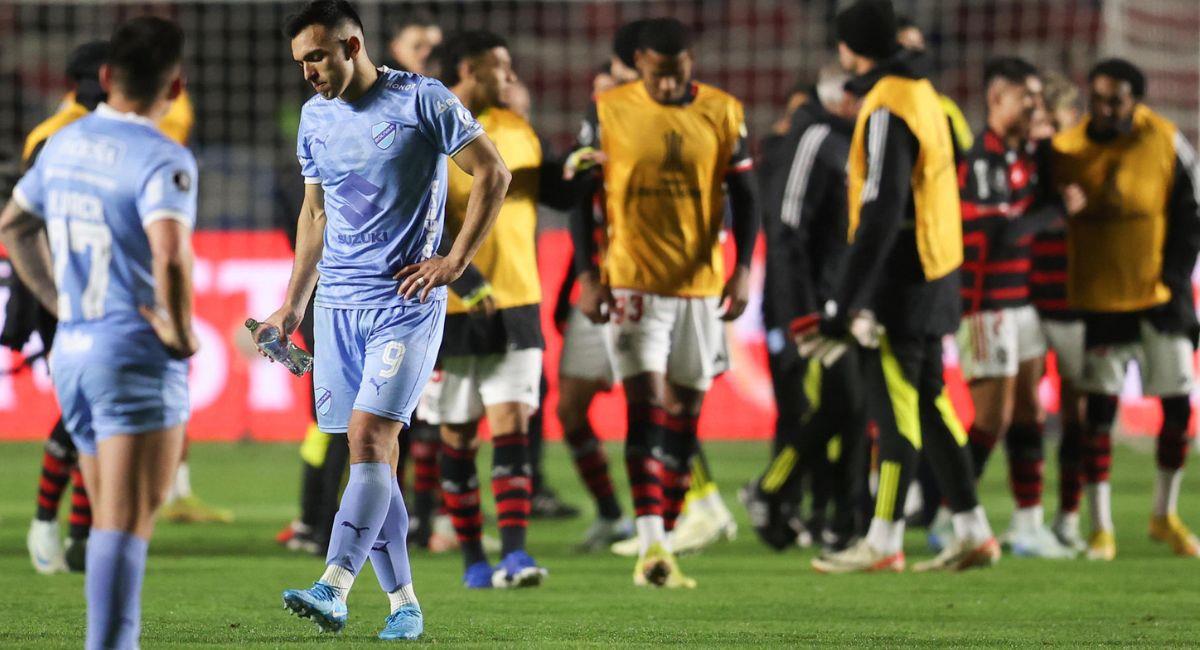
[237,395]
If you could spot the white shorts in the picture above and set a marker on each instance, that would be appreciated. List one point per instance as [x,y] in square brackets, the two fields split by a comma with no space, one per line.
[683,338]
[459,391]
[1165,362]
[587,350]
[1065,337]
[993,343]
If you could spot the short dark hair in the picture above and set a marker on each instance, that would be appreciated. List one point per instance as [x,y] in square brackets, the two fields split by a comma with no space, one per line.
[625,41]
[141,53]
[1009,68]
[667,36]
[1121,70]
[462,46]
[414,18]
[329,14]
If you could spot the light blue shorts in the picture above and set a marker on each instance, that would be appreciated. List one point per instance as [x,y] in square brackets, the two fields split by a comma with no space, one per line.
[373,360]
[112,384]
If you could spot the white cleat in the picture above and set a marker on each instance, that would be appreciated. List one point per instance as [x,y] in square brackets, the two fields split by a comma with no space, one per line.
[45,548]
[1039,542]
[1066,529]
[604,532]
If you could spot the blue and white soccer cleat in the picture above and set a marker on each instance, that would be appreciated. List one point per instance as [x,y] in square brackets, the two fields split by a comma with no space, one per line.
[478,576]
[518,569]
[405,623]
[318,603]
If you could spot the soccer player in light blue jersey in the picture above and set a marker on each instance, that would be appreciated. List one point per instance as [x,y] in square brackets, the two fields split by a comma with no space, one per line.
[373,147]
[100,229]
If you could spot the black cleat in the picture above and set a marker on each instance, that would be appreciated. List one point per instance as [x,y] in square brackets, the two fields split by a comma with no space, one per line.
[545,504]
[774,521]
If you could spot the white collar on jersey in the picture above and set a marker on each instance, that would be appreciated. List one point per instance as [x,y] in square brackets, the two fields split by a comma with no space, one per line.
[104,110]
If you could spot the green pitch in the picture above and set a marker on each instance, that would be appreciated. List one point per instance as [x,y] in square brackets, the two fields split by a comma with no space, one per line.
[219,586]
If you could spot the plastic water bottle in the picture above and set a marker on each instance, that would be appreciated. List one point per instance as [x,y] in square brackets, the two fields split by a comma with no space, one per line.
[269,340]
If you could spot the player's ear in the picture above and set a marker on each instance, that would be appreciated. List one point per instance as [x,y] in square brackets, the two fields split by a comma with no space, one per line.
[106,78]
[176,87]
[353,46]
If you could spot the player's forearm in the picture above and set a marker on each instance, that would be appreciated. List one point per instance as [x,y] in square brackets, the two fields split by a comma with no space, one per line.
[581,226]
[310,243]
[24,237]
[488,186]
[173,277]
[743,206]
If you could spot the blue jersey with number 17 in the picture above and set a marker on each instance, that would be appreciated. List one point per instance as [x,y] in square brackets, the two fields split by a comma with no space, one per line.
[381,161]
[98,183]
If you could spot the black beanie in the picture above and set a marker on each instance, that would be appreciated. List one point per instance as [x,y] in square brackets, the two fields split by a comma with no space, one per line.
[868,27]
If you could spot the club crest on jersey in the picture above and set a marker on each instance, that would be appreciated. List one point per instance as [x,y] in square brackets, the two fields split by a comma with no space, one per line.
[384,134]
[324,400]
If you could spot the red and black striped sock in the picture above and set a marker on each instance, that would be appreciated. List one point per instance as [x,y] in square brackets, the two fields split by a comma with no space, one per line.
[81,508]
[512,487]
[980,443]
[1025,461]
[460,491]
[1172,446]
[1097,456]
[678,445]
[55,474]
[425,480]
[1070,468]
[643,468]
[592,464]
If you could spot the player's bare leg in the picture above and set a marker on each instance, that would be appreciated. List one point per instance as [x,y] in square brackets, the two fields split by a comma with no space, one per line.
[128,478]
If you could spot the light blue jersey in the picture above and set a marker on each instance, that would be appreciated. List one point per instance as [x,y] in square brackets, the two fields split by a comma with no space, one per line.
[382,163]
[97,184]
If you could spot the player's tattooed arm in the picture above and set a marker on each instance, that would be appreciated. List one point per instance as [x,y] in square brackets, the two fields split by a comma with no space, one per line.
[171,252]
[23,234]
[490,179]
[310,243]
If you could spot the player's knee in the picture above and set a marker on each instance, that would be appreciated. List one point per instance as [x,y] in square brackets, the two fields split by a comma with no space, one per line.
[458,436]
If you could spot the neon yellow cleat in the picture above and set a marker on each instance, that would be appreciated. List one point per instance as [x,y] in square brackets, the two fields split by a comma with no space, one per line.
[1171,530]
[191,510]
[659,568]
[1102,546]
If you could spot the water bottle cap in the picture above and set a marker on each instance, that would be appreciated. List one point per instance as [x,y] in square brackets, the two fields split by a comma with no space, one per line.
[251,323]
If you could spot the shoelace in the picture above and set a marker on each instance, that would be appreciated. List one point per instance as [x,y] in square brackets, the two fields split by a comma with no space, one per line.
[323,591]
[403,612]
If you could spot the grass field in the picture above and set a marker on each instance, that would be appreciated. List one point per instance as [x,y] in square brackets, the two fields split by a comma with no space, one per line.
[218,586]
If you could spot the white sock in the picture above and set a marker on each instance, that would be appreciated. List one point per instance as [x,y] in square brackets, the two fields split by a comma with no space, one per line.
[340,579]
[1100,505]
[182,487]
[650,530]
[972,525]
[1028,519]
[886,537]
[1166,492]
[402,597]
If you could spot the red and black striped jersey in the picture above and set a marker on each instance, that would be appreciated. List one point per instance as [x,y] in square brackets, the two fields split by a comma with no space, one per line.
[1048,277]
[998,186]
